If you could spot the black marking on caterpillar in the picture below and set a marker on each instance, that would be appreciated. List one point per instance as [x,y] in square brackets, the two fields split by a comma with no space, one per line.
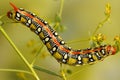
[55,44]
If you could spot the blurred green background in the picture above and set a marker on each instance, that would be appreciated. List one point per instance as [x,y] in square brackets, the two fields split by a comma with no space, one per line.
[80,18]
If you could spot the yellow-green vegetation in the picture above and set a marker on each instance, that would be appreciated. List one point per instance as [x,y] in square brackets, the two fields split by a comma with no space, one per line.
[26,58]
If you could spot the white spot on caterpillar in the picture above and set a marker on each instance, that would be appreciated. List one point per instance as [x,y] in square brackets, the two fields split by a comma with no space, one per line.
[54,49]
[17,18]
[91,60]
[33,14]
[45,22]
[69,48]
[46,39]
[27,24]
[79,57]
[97,54]
[64,60]
[65,56]
[79,62]
[17,14]
[21,9]
[103,51]
[29,21]
[62,42]
[39,29]
[90,56]
[55,33]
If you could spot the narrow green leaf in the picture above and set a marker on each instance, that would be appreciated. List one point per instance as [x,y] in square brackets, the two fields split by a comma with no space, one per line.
[46,71]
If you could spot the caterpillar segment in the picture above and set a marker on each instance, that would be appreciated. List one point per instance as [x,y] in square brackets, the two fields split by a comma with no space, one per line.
[55,44]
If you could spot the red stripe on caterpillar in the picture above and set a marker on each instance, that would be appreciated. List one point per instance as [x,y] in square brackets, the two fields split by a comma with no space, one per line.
[55,44]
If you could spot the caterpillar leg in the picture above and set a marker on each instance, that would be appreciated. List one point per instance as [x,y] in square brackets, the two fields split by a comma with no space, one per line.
[62,72]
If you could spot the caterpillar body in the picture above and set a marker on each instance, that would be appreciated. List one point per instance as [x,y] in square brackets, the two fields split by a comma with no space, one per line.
[55,44]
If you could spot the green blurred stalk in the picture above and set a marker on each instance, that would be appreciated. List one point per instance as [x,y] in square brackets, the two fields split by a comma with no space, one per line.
[19,53]
[46,71]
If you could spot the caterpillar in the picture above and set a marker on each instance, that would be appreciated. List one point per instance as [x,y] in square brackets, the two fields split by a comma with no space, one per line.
[55,44]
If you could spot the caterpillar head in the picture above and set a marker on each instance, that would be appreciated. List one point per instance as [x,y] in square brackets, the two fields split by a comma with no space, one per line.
[10,14]
[15,13]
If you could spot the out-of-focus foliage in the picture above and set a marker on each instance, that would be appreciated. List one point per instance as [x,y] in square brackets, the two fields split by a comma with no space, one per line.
[80,17]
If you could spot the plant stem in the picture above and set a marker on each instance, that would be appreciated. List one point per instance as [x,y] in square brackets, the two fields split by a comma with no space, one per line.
[14,70]
[76,41]
[37,54]
[61,7]
[62,72]
[46,71]
[101,24]
[97,28]
[19,53]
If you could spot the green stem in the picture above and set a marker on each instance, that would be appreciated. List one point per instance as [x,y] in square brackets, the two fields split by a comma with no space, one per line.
[101,24]
[19,53]
[61,7]
[62,72]
[37,55]
[14,70]
[76,41]
[97,28]
[46,71]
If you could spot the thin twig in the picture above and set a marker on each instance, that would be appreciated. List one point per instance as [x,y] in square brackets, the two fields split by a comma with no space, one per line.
[37,54]
[101,24]
[76,41]
[19,53]
[15,70]
[61,7]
